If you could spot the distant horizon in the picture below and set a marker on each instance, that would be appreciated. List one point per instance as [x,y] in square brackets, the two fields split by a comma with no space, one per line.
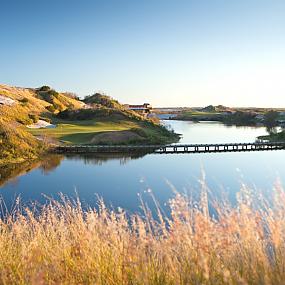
[187,51]
[143,101]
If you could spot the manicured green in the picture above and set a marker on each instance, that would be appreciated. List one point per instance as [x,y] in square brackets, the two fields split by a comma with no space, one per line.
[81,132]
[83,129]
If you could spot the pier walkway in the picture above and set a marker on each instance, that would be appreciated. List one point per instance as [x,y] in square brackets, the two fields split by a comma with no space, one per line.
[176,148]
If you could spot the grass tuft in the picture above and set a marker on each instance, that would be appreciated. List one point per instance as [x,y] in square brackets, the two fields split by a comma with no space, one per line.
[64,244]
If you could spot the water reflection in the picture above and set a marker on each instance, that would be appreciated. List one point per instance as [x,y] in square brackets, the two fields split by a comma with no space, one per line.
[10,173]
[100,159]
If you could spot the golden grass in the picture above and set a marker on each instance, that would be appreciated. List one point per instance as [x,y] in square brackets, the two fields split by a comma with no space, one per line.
[17,145]
[63,244]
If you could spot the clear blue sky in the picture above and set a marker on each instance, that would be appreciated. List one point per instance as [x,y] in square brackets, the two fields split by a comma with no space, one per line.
[167,52]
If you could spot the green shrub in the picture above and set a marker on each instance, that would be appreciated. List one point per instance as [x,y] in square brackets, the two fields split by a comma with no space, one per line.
[34,118]
[51,108]
[44,88]
[53,93]
[24,101]
[87,114]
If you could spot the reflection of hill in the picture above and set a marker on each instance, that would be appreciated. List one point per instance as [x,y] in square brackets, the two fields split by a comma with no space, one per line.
[99,159]
[10,173]
[51,163]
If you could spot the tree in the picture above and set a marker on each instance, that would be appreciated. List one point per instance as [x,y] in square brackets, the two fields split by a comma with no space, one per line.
[271,121]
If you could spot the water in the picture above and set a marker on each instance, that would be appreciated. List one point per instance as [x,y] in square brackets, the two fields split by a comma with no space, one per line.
[120,181]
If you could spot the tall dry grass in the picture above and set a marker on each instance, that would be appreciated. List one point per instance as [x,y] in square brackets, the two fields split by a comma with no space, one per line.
[63,244]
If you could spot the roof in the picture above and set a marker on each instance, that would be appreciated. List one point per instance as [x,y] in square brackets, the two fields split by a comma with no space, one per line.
[138,108]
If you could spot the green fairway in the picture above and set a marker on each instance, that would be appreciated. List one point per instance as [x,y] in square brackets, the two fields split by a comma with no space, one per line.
[84,132]
[80,132]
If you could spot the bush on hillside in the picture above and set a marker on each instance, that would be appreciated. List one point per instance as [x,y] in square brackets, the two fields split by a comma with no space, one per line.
[34,118]
[17,144]
[209,109]
[51,108]
[44,88]
[24,101]
[88,114]
[53,93]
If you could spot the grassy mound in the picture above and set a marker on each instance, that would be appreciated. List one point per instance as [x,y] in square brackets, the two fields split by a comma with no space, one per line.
[107,103]
[106,121]
[102,100]
[58,101]
[117,137]
[16,144]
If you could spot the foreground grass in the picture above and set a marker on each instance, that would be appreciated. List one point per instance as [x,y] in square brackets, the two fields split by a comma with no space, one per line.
[64,244]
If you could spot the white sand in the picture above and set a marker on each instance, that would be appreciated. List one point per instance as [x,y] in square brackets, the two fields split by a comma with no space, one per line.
[41,124]
[6,101]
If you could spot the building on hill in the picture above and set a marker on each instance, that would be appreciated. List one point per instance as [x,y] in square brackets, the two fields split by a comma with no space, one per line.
[144,109]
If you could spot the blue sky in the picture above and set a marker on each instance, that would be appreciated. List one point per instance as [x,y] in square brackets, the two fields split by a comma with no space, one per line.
[166,52]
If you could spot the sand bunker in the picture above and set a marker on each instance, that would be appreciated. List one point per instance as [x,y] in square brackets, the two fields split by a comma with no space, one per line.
[41,124]
[6,101]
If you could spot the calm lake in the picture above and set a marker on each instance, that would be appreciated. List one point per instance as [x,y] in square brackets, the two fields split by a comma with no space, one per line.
[120,181]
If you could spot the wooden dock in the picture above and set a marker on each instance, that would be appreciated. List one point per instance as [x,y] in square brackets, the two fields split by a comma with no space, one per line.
[170,149]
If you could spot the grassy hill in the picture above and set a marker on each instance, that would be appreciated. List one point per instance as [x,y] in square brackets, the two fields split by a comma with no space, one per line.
[103,102]
[103,120]
[98,119]
[26,106]
[106,121]
[16,144]
[29,102]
